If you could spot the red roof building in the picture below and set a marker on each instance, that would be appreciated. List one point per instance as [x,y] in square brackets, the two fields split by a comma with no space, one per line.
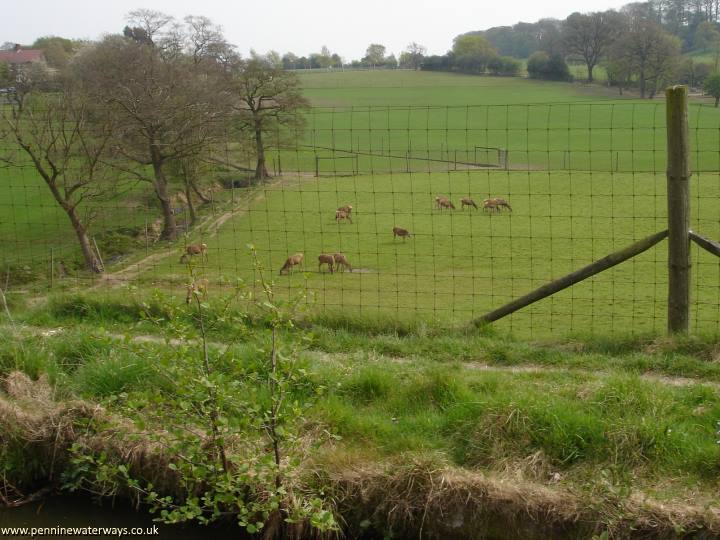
[19,56]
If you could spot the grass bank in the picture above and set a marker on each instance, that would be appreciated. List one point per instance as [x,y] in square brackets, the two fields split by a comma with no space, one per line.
[440,430]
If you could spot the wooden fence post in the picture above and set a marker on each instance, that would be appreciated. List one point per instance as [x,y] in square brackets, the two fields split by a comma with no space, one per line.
[678,200]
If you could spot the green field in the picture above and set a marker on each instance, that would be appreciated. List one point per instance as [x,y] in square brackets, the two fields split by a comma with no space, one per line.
[585,176]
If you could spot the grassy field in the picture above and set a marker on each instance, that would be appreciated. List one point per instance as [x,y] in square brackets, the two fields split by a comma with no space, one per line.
[461,264]
[585,176]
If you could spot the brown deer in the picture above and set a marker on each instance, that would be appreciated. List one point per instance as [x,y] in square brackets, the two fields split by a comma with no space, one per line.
[291,261]
[325,258]
[443,202]
[342,214]
[199,287]
[403,233]
[192,250]
[489,205]
[467,201]
[500,202]
[347,209]
[341,262]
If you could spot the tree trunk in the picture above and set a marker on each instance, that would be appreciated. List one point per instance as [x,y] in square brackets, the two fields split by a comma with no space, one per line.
[161,190]
[260,170]
[642,85]
[590,72]
[717,100]
[188,196]
[91,259]
[199,193]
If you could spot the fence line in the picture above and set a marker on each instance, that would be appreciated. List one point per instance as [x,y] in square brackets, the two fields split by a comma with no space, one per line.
[579,181]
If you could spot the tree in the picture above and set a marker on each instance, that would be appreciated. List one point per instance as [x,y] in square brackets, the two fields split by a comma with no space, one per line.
[472,53]
[413,55]
[166,106]
[206,43]
[619,72]
[5,75]
[291,61]
[390,62]
[549,38]
[712,87]
[268,100]
[67,140]
[57,50]
[706,36]
[589,36]
[647,51]
[375,54]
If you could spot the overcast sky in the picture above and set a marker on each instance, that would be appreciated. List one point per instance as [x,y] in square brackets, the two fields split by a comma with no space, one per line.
[300,26]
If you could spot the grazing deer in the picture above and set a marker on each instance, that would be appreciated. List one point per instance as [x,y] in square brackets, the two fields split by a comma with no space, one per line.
[403,233]
[500,202]
[489,205]
[443,202]
[347,209]
[192,250]
[342,214]
[467,201]
[291,261]
[325,258]
[197,288]
[341,262]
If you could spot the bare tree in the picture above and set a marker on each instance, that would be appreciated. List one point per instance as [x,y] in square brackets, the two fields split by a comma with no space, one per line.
[589,36]
[268,102]
[153,23]
[166,108]
[68,143]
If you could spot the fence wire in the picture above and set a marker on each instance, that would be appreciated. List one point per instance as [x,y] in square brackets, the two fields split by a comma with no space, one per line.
[579,180]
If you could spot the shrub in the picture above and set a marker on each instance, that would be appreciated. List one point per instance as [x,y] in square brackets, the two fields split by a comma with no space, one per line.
[504,66]
[712,87]
[541,65]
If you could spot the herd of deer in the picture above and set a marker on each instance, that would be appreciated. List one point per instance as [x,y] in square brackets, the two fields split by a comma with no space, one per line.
[337,261]
[489,205]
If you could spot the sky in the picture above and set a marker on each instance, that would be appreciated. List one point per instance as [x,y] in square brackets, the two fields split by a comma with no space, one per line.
[347,27]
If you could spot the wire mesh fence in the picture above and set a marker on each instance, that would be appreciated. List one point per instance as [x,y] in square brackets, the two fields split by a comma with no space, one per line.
[578,181]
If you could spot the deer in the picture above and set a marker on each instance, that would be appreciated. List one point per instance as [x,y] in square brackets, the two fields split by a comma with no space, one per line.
[489,205]
[341,262]
[500,202]
[443,202]
[325,258]
[403,233]
[342,214]
[197,288]
[291,261]
[467,201]
[347,209]
[192,250]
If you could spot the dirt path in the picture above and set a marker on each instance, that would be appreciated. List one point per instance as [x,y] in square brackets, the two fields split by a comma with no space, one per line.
[210,228]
